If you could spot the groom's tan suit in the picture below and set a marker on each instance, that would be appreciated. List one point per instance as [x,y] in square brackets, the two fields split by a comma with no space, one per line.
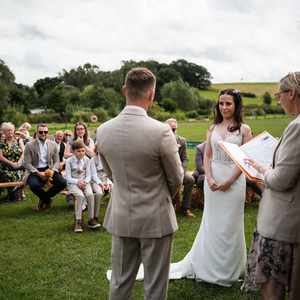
[141,156]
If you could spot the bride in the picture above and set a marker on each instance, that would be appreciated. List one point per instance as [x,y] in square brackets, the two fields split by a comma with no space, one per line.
[218,254]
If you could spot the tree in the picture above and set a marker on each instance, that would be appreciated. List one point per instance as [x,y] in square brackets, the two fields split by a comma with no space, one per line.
[197,76]
[60,97]
[267,99]
[7,80]
[95,96]
[184,96]
[44,85]
[80,77]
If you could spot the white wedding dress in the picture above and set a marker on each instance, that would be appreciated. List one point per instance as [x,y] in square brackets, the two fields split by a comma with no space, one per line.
[218,254]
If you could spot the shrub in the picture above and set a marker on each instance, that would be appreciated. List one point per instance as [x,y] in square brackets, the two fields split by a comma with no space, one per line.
[204,111]
[267,99]
[101,114]
[192,114]
[179,116]
[13,115]
[49,117]
[168,104]
[248,94]
[83,116]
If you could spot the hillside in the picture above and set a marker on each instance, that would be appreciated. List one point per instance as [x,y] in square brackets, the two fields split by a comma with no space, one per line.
[258,88]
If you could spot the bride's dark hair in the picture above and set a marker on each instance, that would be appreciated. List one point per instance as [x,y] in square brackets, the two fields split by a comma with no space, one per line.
[238,111]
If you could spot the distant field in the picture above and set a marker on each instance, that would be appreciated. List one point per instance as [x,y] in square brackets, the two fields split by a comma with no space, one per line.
[196,130]
[257,88]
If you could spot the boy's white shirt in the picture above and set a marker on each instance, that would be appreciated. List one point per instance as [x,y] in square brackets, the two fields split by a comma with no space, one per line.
[72,164]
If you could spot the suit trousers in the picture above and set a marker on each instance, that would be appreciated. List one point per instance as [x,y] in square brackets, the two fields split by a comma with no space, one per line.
[188,183]
[81,197]
[294,293]
[36,185]
[98,195]
[127,255]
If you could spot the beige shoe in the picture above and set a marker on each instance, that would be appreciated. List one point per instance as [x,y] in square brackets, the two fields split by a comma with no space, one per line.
[78,226]
[188,213]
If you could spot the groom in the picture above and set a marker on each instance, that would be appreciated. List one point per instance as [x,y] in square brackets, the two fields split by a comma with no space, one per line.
[141,156]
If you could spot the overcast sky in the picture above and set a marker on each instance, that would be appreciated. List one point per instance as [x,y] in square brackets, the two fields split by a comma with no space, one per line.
[248,40]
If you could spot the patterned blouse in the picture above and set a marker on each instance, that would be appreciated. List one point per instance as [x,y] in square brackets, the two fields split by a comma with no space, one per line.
[11,152]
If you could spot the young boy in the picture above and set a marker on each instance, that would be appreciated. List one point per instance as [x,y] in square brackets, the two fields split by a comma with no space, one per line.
[100,182]
[78,176]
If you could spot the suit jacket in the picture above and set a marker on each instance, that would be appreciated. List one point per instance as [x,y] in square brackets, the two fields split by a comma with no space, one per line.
[279,211]
[140,154]
[181,142]
[199,159]
[32,152]
[61,152]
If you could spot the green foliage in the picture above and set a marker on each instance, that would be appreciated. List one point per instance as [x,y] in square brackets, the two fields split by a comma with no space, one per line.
[192,114]
[84,116]
[81,76]
[195,75]
[46,117]
[267,98]
[168,104]
[181,93]
[58,98]
[14,115]
[46,84]
[101,114]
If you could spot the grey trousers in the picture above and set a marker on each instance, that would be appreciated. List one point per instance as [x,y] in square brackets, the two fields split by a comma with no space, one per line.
[127,255]
[294,293]
[188,183]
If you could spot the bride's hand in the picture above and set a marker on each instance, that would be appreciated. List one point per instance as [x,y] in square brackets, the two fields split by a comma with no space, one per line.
[213,185]
[224,186]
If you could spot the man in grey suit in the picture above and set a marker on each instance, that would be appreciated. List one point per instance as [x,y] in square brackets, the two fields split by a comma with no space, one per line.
[188,179]
[40,156]
[140,154]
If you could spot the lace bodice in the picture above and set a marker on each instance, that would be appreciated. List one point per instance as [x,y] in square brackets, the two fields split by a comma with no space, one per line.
[218,154]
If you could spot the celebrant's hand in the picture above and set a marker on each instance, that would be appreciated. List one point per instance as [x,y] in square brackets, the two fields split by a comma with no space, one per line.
[256,165]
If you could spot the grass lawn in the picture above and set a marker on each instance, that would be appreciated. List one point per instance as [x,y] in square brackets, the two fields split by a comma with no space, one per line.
[43,259]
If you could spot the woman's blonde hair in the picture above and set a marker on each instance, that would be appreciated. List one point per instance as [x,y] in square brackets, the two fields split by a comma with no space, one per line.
[291,82]
[7,126]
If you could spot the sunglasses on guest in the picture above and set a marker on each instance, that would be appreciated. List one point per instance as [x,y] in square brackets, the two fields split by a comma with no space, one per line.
[43,131]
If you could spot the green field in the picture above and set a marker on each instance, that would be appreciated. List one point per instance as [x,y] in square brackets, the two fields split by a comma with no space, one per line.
[257,88]
[43,259]
[196,130]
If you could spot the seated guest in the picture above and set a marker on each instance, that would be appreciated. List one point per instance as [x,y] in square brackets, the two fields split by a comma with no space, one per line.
[61,147]
[188,180]
[24,132]
[41,161]
[81,133]
[78,175]
[11,156]
[199,158]
[100,182]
